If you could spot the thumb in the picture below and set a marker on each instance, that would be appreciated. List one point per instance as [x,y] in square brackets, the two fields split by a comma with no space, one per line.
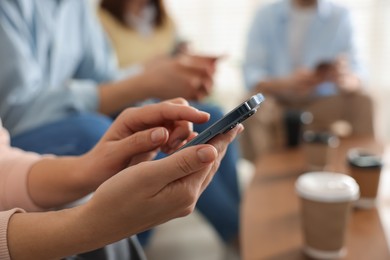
[143,141]
[178,165]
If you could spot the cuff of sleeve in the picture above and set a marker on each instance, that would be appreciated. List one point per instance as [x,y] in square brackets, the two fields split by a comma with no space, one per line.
[17,181]
[129,72]
[4,220]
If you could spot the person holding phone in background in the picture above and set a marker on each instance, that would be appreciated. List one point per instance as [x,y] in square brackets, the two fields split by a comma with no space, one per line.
[132,193]
[299,53]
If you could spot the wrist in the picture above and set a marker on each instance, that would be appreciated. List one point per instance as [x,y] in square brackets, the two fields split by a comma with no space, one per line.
[86,175]
[90,228]
[53,182]
[147,84]
[118,95]
[62,234]
[350,84]
[276,86]
[102,223]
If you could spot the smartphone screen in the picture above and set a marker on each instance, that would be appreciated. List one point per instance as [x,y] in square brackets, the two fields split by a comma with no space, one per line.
[229,121]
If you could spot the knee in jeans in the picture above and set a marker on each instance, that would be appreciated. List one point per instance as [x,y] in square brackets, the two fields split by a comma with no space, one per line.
[92,127]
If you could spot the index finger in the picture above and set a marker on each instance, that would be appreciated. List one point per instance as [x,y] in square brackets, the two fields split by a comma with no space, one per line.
[161,114]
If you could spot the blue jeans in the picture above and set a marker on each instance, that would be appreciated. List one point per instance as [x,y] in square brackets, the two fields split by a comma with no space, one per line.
[74,135]
[77,134]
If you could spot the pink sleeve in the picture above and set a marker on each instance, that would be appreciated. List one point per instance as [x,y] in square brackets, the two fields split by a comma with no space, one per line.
[14,167]
[4,219]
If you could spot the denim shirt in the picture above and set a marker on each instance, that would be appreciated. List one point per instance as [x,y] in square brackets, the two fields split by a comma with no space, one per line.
[331,34]
[53,54]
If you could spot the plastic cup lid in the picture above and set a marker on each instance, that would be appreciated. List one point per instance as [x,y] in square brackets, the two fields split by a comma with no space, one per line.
[327,187]
[361,158]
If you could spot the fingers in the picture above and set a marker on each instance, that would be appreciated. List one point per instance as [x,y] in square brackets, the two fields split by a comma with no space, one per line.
[167,111]
[206,61]
[184,173]
[193,160]
[143,157]
[142,145]
[196,65]
[182,130]
[179,135]
[176,143]
[179,165]
[221,143]
[199,72]
[164,114]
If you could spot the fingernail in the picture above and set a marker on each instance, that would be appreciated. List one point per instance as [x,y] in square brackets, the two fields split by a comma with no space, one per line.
[204,154]
[157,135]
[240,128]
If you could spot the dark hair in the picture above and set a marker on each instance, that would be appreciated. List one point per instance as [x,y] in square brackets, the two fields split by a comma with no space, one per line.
[117,9]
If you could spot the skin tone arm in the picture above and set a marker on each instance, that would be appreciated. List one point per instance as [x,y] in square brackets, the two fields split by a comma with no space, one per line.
[184,76]
[138,198]
[135,136]
[343,77]
[300,83]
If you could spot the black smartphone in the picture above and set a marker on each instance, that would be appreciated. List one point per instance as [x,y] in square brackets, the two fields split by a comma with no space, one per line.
[229,121]
[324,66]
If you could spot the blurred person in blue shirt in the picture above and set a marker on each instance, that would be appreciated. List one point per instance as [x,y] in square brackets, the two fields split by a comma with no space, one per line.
[298,52]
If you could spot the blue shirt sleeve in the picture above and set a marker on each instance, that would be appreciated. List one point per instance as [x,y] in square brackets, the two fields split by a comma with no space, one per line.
[32,94]
[255,66]
[99,62]
[350,46]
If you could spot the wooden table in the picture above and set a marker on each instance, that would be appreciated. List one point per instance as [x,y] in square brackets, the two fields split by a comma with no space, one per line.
[270,220]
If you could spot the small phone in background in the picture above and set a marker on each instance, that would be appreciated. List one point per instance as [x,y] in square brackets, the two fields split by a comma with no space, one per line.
[181,47]
[324,68]
[229,121]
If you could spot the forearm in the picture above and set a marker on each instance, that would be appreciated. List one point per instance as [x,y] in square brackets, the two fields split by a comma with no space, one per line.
[53,182]
[351,83]
[52,235]
[114,97]
[273,87]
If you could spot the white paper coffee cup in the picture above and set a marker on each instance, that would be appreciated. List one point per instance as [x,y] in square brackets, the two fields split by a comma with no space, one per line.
[326,200]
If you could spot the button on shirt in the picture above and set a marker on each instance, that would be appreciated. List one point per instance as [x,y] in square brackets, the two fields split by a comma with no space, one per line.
[53,55]
[329,35]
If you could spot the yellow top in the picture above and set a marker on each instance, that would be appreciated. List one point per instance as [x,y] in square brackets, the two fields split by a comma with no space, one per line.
[133,48]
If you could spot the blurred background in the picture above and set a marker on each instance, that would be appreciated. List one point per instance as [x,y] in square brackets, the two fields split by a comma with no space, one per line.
[221,27]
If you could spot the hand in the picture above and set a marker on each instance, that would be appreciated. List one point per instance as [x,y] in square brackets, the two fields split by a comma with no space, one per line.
[154,192]
[136,199]
[206,61]
[181,47]
[138,134]
[343,77]
[202,62]
[302,82]
[181,76]
[324,70]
